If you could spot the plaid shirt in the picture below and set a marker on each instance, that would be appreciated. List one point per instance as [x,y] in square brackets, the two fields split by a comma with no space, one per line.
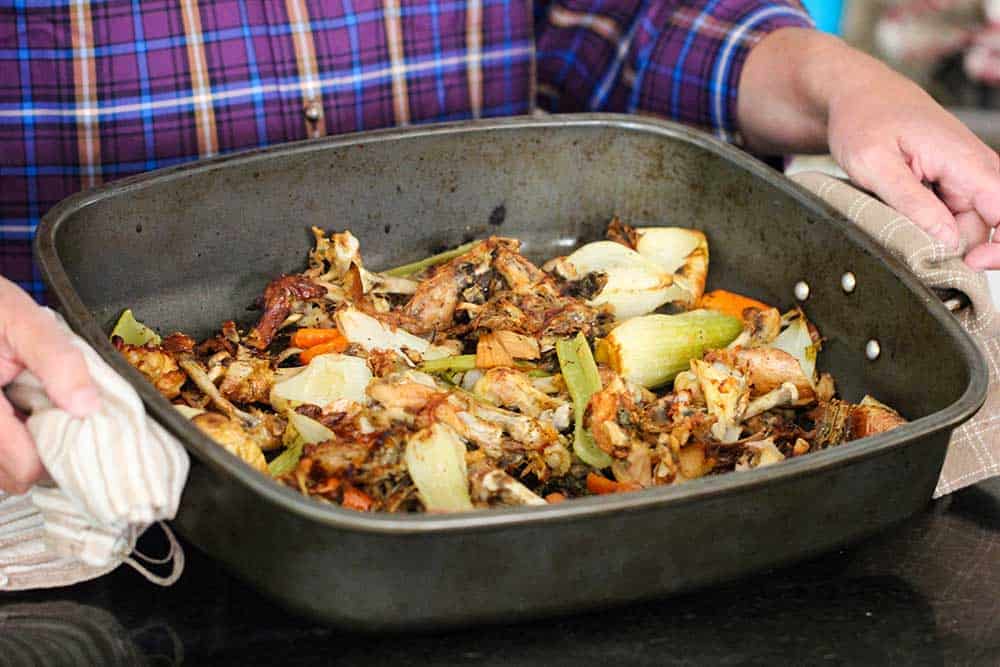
[93,90]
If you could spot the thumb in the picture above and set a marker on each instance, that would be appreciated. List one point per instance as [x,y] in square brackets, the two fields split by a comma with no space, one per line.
[20,465]
[33,339]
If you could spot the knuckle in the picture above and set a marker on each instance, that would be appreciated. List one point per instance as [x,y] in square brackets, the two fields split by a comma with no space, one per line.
[865,160]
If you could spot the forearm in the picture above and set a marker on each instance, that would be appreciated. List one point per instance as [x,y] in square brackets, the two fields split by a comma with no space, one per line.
[793,79]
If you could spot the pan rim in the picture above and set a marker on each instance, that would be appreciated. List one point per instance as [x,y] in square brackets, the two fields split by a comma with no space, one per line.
[200,446]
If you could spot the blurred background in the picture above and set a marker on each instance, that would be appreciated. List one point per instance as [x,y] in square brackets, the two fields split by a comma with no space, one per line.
[950,47]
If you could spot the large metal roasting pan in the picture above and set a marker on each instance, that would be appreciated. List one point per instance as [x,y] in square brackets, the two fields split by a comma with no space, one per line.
[188,247]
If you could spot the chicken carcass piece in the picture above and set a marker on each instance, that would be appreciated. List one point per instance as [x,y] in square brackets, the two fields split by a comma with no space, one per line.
[281,297]
[767,369]
[830,424]
[759,454]
[496,431]
[541,316]
[521,276]
[727,395]
[760,327]
[870,417]
[231,435]
[248,379]
[510,388]
[432,306]
[337,259]
[492,486]
[615,420]
[499,290]
[157,364]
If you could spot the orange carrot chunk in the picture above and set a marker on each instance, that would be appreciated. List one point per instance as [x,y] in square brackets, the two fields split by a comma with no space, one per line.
[599,485]
[308,337]
[729,303]
[554,498]
[323,348]
[356,499]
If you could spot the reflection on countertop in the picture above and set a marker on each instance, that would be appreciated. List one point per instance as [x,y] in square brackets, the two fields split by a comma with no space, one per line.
[924,592]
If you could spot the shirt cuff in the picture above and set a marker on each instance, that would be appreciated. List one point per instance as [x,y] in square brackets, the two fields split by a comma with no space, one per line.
[762,19]
[688,60]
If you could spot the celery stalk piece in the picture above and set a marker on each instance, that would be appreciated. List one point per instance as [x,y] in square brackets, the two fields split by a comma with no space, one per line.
[460,362]
[134,332]
[427,262]
[651,350]
[435,459]
[302,431]
[466,362]
[287,461]
[579,371]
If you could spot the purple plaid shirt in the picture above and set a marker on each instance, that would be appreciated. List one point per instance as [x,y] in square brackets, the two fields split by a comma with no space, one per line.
[93,90]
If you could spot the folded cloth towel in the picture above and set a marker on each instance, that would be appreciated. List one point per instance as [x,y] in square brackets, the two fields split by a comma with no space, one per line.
[974,451]
[112,473]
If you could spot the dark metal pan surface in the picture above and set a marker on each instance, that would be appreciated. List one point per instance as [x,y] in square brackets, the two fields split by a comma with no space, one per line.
[190,246]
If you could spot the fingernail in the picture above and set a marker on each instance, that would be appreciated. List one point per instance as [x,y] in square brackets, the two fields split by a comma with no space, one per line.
[84,401]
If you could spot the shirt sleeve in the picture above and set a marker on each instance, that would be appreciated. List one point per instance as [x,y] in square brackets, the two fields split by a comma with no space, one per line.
[680,59]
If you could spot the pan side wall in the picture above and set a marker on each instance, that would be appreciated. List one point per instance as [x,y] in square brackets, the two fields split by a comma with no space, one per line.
[375,582]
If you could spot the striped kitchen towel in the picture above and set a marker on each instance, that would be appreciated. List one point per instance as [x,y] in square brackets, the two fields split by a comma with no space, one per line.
[974,451]
[112,473]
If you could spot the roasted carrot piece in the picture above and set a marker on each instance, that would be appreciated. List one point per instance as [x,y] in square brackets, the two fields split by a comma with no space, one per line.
[599,484]
[356,499]
[308,337]
[323,348]
[729,303]
[554,498]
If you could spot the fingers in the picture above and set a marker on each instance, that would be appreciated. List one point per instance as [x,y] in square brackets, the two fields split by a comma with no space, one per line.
[986,197]
[20,466]
[973,228]
[984,257]
[34,339]
[886,174]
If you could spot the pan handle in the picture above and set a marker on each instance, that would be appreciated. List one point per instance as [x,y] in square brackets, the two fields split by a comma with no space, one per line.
[953,299]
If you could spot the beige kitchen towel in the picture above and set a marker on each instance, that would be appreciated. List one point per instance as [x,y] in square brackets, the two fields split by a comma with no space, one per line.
[113,473]
[974,452]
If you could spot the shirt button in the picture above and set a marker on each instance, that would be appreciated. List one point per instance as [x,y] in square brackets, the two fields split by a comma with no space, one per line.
[313,111]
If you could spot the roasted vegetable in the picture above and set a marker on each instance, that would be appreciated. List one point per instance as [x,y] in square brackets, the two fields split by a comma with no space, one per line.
[440,391]
[371,334]
[682,252]
[582,381]
[652,350]
[634,285]
[426,263]
[327,378]
[307,337]
[435,458]
[730,303]
[134,332]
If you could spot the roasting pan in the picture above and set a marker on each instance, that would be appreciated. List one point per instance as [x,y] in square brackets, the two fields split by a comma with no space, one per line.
[191,246]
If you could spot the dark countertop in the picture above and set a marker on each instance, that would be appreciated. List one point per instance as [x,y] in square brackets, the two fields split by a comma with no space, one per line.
[924,592]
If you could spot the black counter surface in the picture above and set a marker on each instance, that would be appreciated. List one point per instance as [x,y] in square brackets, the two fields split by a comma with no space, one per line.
[924,592]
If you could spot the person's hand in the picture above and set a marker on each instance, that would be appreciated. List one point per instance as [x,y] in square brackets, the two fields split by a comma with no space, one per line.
[803,91]
[894,140]
[29,338]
